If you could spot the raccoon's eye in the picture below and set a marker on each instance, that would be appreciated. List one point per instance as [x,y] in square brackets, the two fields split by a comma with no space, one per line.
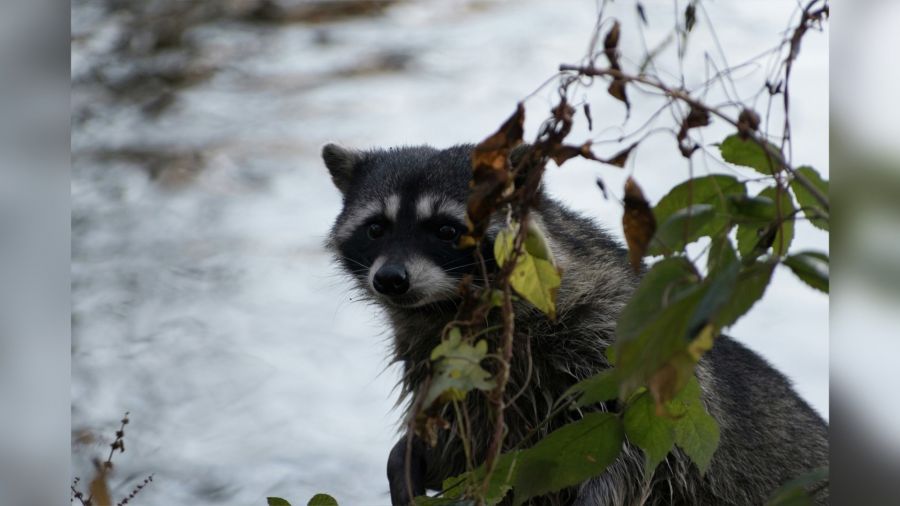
[375,230]
[447,233]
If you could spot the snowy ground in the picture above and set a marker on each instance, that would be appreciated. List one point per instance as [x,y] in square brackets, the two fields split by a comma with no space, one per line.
[203,301]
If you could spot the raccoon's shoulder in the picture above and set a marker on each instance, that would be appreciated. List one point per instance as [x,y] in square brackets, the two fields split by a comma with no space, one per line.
[579,235]
[594,264]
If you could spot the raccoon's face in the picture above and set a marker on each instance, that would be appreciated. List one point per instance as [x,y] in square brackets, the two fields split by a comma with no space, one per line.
[404,210]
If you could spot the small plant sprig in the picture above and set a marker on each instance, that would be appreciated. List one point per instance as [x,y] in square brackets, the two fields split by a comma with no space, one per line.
[98,490]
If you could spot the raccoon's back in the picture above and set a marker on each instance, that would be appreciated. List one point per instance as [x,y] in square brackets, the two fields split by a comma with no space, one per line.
[769,434]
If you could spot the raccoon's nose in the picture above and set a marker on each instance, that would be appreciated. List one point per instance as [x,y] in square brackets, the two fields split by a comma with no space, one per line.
[391,280]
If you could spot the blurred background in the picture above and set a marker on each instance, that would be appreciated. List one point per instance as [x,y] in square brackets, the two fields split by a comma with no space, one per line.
[203,301]
[865,336]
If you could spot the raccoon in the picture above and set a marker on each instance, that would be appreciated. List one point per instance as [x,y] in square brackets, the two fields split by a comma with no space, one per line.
[403,211]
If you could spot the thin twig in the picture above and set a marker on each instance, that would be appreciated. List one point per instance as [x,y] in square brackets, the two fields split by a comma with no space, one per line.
[691,101]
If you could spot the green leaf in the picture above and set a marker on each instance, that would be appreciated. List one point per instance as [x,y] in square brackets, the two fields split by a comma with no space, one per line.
[751,210]
[322,500]
[670,321]
[653,326]
[500,484]
[811,267]
[715,190]
[610,354]
[670,378]
[755,239]
[663,337]
[721,254]
[811,207]
[569,455]
[653,434]
[785,233]
[457,369]
[424,500]
[794,492]
[719,285]
[535,276]
[751,285]
[603,386]
[696,432]
[748,153]
[665,282]
[276,501]
[681,228]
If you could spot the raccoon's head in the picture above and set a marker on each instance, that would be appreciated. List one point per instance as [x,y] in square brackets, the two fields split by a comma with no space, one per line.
[404,210]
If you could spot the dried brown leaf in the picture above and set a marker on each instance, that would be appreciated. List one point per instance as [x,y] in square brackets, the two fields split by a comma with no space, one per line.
[641,13]
[611,42]
[748,121]
[617,90]
[690,17]
[564,152]
[697,117]
[638,223]
[491,176]
[602,186]
[428,427]
[621,157]
[587,114]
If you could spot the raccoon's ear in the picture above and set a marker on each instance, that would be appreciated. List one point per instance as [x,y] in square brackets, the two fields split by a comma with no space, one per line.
[341,163]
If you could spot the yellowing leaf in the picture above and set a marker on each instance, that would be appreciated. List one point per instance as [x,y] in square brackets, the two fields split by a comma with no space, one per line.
[457,369]
[703,342]
[535,276]
[669,379]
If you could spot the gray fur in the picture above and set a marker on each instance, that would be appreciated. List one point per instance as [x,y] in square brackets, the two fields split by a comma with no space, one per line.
[769,435]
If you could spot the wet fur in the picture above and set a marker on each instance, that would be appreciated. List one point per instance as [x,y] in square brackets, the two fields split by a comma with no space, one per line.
[769,435]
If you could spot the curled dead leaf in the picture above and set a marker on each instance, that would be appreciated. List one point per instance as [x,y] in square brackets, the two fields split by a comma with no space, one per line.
[491,176]
[617,90]
[565,152]
[621,157]
[587,114]
[638,223]
[748,121]
[611,44]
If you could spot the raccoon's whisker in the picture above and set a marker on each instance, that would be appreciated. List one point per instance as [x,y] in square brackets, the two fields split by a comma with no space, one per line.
[445,264]
[458,267]
[357,262]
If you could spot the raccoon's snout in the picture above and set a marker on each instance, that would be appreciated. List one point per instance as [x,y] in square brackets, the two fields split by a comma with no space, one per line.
[391,279]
